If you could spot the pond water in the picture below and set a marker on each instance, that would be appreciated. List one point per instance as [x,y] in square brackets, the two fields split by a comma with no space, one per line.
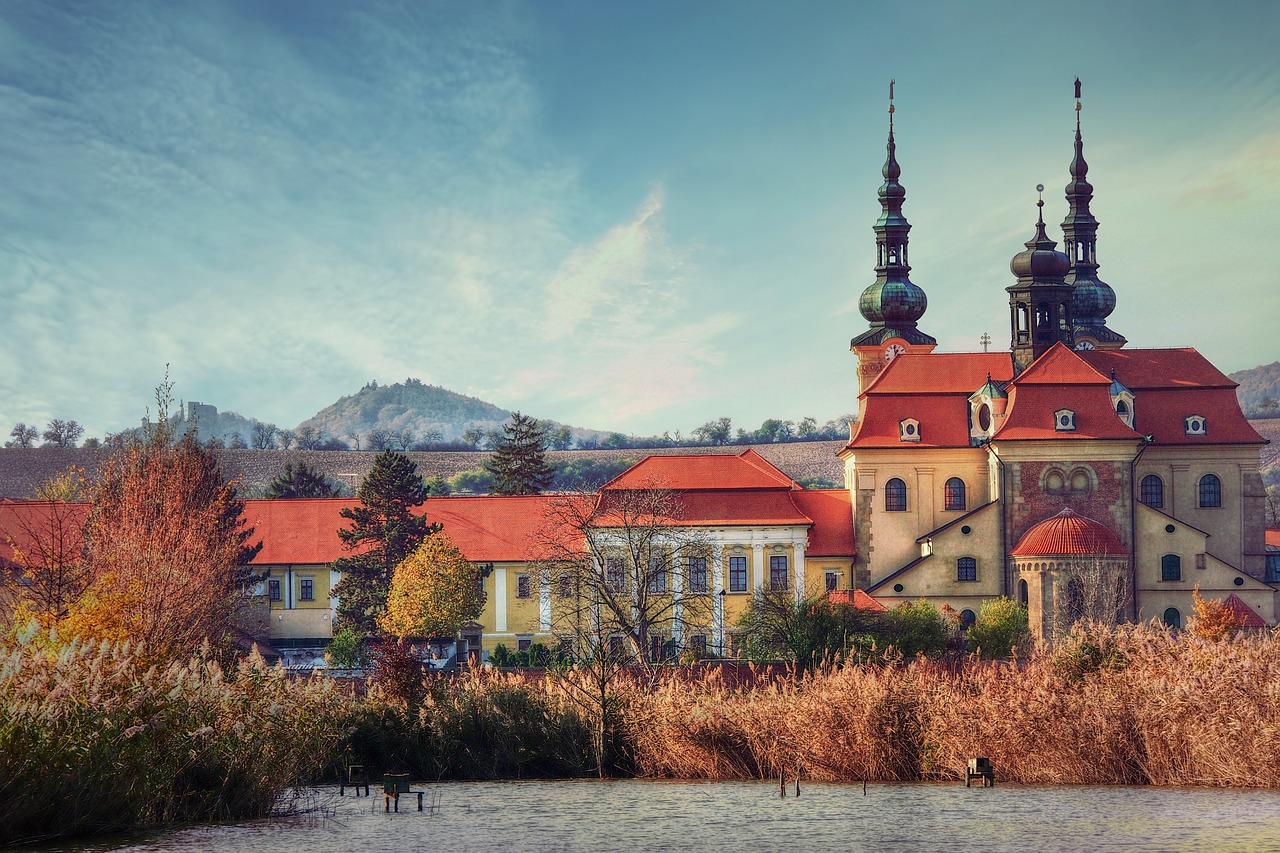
[588,815]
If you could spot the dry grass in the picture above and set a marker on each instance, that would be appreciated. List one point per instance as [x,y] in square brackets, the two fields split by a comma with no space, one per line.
[1122,706]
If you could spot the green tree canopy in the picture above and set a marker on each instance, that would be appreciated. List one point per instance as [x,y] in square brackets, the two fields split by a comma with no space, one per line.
[301,481]
[384,531]
[518,462]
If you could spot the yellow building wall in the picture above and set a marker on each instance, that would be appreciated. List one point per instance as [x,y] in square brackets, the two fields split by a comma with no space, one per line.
[887,540]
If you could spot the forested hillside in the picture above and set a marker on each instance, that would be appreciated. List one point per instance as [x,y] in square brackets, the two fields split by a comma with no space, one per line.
[1259,390]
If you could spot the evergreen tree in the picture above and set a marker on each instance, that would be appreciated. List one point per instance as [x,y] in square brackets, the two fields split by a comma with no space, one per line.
[518,462]
[384,531]
[301,482]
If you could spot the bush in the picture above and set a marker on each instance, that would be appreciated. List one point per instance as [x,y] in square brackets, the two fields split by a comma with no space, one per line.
[346,649]
[94,739]
[917,628]
[1000,629]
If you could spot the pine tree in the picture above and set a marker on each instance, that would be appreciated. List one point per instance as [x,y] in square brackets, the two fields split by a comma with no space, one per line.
[384,531]
[518,462]
[301,482]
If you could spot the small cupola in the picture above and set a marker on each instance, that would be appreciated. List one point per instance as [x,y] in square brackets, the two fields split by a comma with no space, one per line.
[986,406]
[1121,400]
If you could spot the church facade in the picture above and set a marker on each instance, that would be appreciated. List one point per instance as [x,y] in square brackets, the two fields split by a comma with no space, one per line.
[1073,473]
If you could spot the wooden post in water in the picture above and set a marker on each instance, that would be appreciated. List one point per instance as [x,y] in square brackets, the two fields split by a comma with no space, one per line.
[782,782]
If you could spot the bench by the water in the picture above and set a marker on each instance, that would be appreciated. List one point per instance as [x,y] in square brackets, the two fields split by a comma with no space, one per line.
[393,785]
[980,768]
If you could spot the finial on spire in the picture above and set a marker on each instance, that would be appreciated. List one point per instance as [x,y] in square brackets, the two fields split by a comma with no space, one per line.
[1077,103]
[1040,202]
[891,82]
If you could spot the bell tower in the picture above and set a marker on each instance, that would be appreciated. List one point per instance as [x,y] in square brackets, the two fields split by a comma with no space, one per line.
[1040,301]
[1092,298]
[892,304]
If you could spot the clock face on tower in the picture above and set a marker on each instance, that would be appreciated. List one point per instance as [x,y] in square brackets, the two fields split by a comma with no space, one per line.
[892,351]
[1082,345]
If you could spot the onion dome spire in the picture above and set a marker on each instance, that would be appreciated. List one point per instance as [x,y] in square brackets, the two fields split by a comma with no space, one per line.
[1092,299]
[892,304]
[1040,301]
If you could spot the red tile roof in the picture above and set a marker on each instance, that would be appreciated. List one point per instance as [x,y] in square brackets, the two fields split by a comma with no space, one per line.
[944,420]
[859,598]
[1142,369]
[485,528]
[941,373]
[832,514]
[1273,537]
[36,526]
[746,470]
[1061,366]
[1248,617]
[1030,412]
[1068,534]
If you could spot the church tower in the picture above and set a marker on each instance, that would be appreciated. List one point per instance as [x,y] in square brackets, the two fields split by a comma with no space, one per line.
[892,304]
[1092,298]
[1040,302]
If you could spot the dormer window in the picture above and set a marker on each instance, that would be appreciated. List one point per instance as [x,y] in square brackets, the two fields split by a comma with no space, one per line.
[1064,420]
[1122,400]
[1196,424]
[909,430]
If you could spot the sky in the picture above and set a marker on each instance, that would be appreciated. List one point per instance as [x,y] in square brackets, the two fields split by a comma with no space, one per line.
[632,216]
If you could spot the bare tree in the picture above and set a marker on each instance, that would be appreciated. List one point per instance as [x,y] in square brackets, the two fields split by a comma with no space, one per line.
[628,585]
[309,437]
[378,440]
[22,436]
[1091,589]
[622,569]
[60,433]
[287,438]
[402,440]
[264,436]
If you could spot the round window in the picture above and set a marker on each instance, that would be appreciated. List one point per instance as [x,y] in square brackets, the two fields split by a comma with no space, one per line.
[1080,481]
[1169,528]
[1239,581]
[1055,482]
[897,587]
[911,429]
[966,530]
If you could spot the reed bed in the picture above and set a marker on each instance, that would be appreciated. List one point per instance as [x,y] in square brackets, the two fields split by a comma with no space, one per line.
[1130,705]
[95,739]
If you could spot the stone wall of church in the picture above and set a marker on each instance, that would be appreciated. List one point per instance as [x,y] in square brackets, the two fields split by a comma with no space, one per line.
[1100,490]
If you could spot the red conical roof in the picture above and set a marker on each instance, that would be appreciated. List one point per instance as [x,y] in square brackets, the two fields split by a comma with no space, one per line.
[1068,533]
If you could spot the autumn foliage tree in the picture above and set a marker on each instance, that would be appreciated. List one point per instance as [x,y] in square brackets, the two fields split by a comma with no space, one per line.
[1213,619]
[384,531]
[166,545]
[433,592]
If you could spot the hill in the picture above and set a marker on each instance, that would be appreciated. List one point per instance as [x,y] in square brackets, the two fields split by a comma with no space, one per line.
[1259,390]
[426,412]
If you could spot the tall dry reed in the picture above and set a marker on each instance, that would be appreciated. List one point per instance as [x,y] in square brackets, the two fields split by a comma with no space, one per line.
[94,739]
[1130,705]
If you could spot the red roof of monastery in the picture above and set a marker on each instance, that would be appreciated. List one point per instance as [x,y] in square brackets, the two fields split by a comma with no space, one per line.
[941,373]
[832,514]
[1273,537]
[1168,386]
[33,527]
[1248,617]
[746,470]
[1068,534]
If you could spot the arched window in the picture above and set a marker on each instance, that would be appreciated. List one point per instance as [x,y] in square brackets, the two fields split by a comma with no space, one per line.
[966,569]
[1023,598]
[967,618]
[1172,617]
[1210,490]
[1170,567]
[953,494]
[895,496]
[1151,492]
